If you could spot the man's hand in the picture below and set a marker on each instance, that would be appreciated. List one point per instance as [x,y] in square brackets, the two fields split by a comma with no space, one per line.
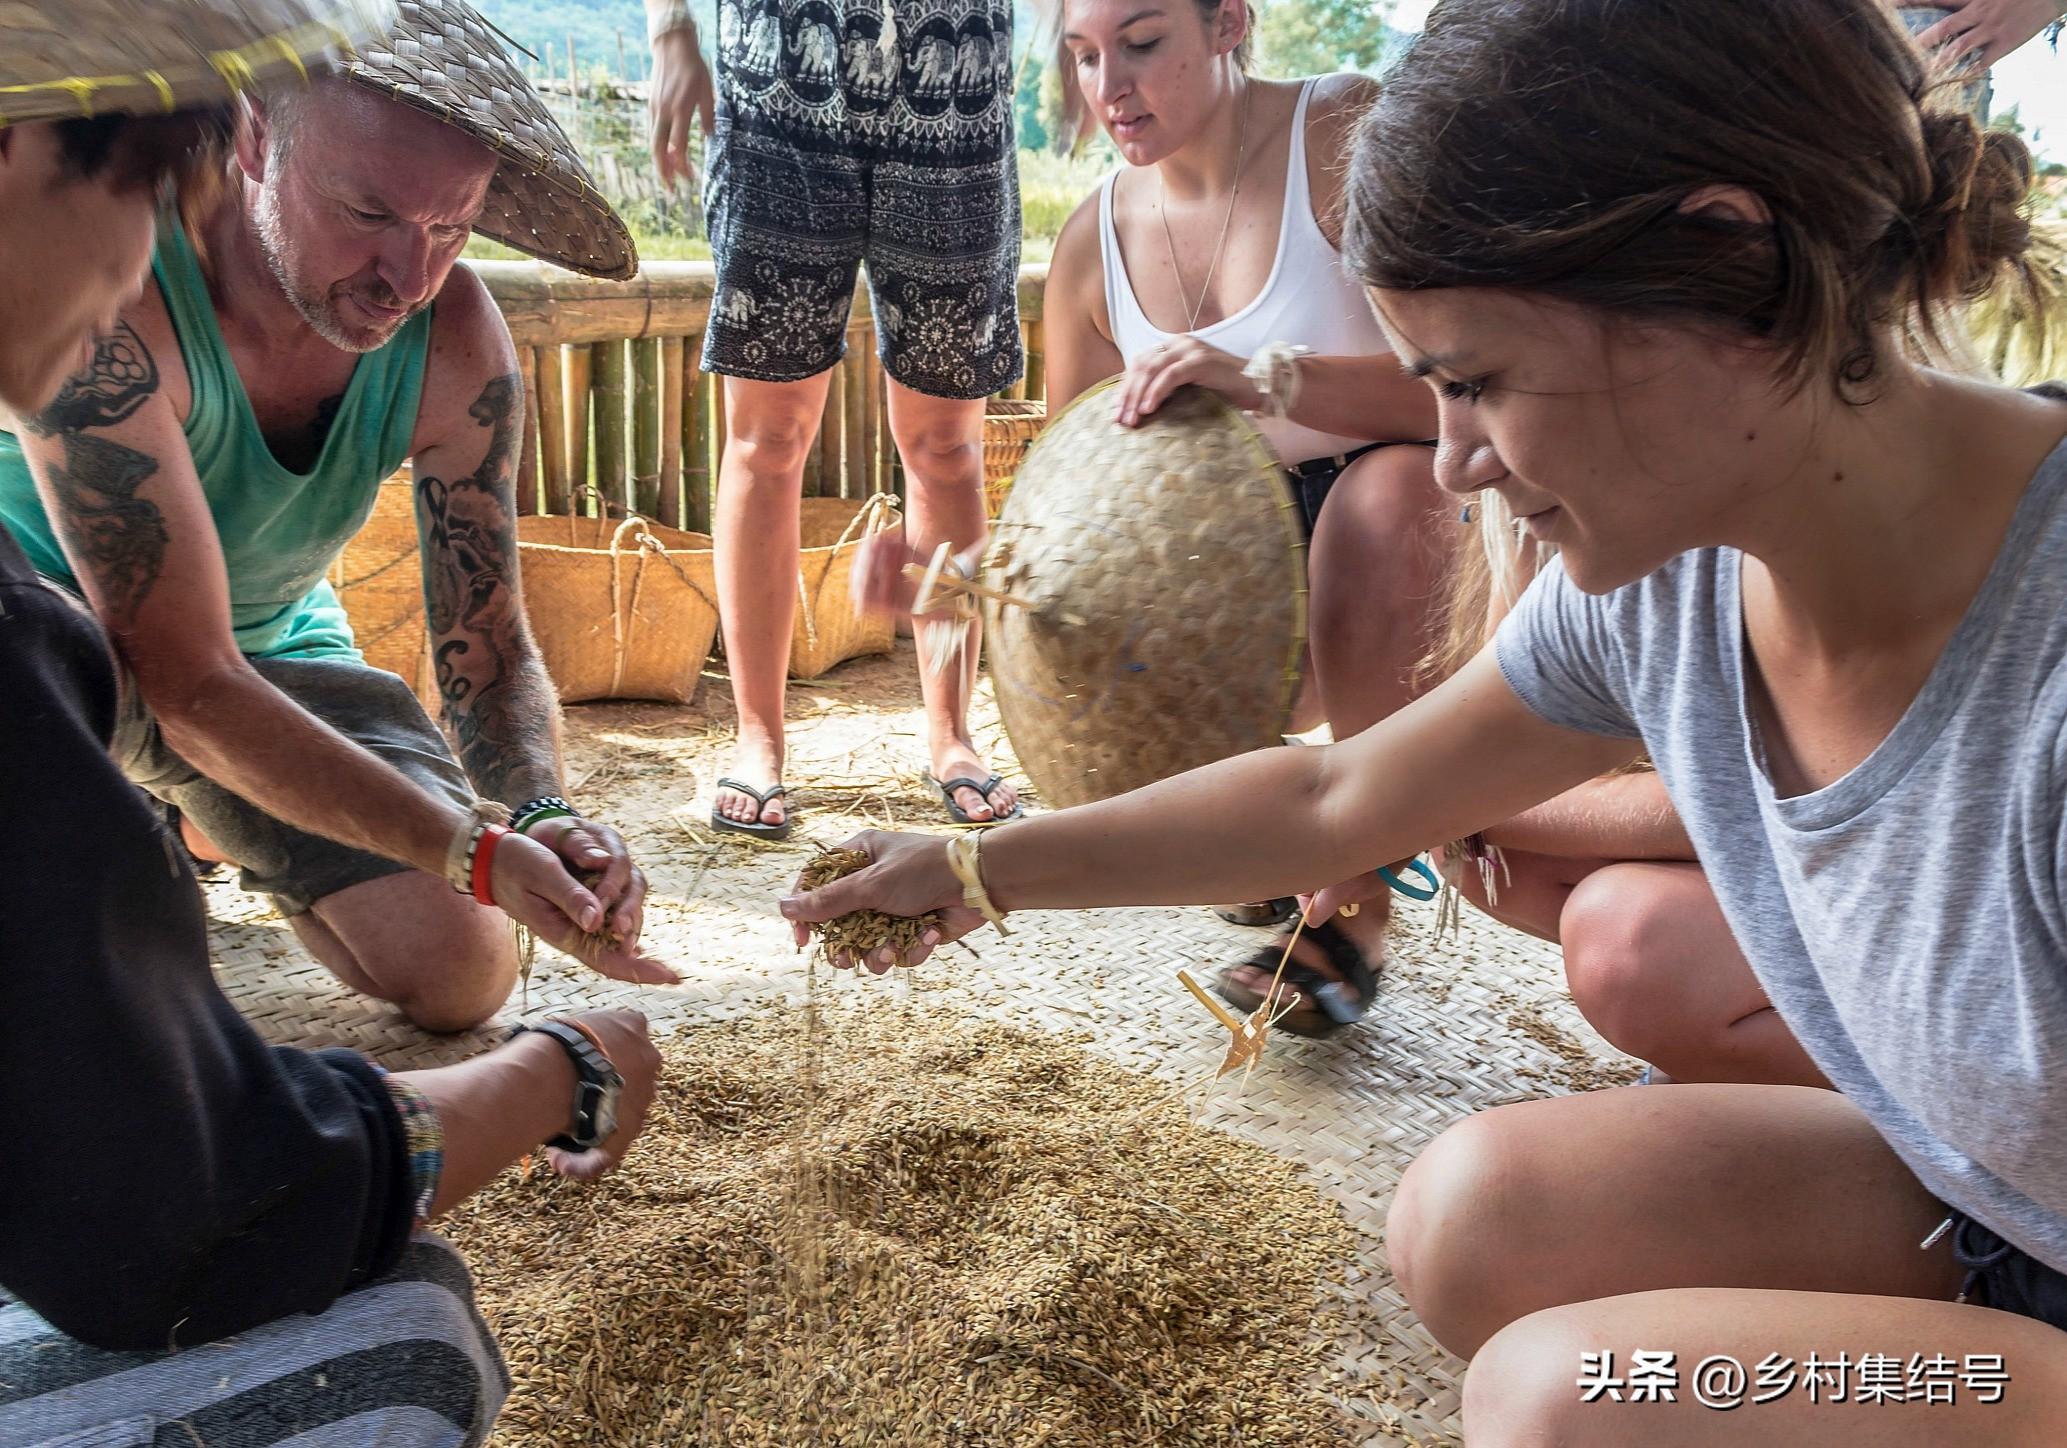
[681,97]
[1981,32]
[1182,361]
[622,1035]
[534,888]
[910,877]
[594,849]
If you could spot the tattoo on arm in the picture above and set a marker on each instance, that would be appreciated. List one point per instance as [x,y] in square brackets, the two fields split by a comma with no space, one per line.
[115,535]
[497,699]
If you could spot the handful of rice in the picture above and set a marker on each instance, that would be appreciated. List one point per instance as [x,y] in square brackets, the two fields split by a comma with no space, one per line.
[864,932]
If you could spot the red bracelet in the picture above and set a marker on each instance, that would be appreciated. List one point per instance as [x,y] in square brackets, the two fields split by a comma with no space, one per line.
[484,855]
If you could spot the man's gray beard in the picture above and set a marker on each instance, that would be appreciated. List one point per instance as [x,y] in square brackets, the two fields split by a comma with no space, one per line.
[273,246]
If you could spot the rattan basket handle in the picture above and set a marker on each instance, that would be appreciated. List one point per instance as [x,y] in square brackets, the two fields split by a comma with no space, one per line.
[863,524]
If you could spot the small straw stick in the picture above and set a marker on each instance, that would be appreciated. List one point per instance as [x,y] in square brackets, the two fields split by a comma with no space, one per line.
[927,580]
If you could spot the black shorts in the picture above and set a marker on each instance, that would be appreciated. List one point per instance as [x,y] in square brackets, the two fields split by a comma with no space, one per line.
[2005,1276]
[841,141]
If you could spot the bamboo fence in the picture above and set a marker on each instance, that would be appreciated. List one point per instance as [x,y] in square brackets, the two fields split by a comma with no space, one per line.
[624,419]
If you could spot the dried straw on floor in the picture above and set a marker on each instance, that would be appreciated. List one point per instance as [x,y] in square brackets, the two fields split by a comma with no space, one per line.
[903,1229]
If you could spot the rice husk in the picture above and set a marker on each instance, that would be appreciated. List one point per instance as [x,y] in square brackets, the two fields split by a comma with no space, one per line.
[899,1228]
[863,932]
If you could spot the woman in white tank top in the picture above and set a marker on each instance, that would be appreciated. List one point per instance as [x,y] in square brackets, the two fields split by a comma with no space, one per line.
[1215,241]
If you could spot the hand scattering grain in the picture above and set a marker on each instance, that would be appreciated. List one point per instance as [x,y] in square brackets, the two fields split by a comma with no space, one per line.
[984,1238]
[864,932]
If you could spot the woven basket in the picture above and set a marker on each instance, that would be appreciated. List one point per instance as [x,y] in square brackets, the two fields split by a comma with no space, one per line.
[829,630]
[1166,568]
[1008,428]
[621,610]
[379,580]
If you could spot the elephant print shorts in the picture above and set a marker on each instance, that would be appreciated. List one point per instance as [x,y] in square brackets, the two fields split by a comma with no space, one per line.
[876,131]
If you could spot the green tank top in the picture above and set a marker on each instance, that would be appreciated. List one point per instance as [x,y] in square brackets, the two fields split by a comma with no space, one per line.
[280,530]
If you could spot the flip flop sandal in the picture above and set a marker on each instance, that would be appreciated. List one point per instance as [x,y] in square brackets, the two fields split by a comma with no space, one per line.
[1262,912]
[760,798]
[1326,1005]
[960,816]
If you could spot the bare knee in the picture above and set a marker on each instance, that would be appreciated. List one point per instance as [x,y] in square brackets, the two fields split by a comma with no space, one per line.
[446,964]
[770,447]
[1622,939]
[943,451]
[1522,1389]
[1463,1224]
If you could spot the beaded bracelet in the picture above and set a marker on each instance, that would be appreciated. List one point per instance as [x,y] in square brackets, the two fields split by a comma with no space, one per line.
[466,840]
[535,811]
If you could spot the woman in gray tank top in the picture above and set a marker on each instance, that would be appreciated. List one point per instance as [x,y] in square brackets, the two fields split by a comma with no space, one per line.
[1671,282]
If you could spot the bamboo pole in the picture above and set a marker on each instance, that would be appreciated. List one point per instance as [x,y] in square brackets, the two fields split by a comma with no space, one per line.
[671,430]
[1037,359]
[612,476]
[552,426]
[699,462]
[832,434]
[721,431]
[527,462]
[579,404]
[645,478]
[854,475]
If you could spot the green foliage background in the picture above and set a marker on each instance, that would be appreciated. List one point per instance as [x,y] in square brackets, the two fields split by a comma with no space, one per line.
[1294,37]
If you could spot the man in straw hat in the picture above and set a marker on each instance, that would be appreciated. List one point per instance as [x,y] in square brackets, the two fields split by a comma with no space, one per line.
[227,441]
[189,1184]
[877,131]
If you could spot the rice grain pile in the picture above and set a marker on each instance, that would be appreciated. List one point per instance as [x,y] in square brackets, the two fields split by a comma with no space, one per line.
[896,1228]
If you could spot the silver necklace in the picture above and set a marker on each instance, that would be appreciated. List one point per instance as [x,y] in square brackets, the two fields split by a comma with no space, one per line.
[1234,193]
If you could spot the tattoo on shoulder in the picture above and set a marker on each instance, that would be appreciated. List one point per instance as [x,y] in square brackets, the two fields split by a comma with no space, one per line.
[121,378]
[115,536]
[470,544]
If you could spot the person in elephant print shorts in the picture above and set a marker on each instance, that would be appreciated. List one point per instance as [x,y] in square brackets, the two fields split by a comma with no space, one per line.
[847,131]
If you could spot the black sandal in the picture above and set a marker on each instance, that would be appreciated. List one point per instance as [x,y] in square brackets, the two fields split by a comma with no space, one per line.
[760,798]
[1325,1005]
[960,816]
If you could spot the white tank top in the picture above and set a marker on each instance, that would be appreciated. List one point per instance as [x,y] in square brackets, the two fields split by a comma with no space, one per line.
[1309,299]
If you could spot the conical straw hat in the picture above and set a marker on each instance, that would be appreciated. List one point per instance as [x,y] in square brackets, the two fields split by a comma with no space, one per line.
[68,58]
[442,57]
[1167,568]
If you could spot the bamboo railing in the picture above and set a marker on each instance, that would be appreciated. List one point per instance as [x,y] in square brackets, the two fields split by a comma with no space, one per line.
[624,419]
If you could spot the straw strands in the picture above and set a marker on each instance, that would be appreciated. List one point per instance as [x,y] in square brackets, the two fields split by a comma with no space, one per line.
[911,1229]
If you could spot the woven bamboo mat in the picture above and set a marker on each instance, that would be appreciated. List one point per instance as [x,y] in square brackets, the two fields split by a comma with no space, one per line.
[1460,1024]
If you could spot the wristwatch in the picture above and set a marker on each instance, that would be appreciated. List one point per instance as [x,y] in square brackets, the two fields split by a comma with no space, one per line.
[596,1086]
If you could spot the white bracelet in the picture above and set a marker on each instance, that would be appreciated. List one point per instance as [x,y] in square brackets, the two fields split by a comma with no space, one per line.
[670,16]
[1274,370]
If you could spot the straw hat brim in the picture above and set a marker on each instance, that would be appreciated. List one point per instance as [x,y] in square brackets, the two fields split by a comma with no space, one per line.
[1168,570]
[444,59]
[61,59]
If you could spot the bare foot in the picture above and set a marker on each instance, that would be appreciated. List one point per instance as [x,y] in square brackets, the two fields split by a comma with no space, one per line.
[956,758]
[759,764]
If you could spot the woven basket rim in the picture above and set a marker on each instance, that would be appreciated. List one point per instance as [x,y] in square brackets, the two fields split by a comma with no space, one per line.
[66,58]
[604,549]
